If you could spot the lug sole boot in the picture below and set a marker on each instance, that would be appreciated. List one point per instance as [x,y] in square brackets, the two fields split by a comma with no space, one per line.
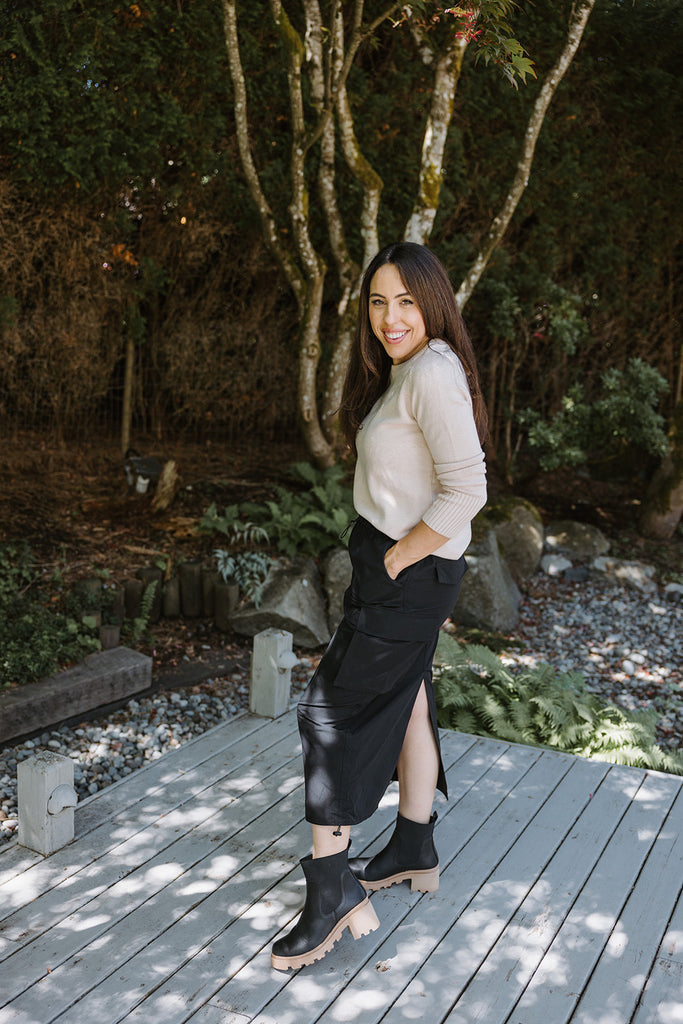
[410,855]
[335,900]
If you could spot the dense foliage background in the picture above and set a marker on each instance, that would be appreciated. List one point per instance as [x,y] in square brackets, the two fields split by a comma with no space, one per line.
[126,226]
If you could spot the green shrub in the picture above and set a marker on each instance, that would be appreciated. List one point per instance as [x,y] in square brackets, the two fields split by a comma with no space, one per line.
[622,417]
[230,524]
[35,639]
[477,694]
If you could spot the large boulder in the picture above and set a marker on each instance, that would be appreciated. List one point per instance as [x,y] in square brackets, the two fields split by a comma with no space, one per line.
[292,599]
[336,572]
[519,530]
[489,598]
[576,540]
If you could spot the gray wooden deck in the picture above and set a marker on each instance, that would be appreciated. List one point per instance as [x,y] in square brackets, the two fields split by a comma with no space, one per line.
[560,897]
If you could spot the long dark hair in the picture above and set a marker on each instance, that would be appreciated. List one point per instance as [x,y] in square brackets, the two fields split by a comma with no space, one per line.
[367,377]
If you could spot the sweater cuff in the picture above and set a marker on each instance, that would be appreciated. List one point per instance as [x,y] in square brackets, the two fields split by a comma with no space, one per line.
[450,513]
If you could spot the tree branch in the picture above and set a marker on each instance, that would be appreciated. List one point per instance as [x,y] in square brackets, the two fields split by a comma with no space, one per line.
[269,227]
[579,17]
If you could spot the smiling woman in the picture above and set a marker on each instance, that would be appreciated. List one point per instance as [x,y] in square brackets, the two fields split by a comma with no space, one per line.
[413,411]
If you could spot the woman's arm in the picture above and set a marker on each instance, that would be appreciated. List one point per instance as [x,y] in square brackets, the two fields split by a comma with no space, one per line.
[420,542]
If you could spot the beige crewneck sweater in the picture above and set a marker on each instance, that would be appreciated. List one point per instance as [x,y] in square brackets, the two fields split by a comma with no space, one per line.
[419,455]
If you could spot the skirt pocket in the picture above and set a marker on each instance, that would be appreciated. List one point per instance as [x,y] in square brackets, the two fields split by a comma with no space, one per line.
[371,583]
[374,664]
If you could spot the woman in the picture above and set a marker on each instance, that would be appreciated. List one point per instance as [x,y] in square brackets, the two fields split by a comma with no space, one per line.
[413,412]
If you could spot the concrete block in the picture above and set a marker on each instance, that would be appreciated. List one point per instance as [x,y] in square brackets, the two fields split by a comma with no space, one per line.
[271,673]
[46,796]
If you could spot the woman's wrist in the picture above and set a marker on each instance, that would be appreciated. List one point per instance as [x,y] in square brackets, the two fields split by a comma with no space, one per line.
[420,542]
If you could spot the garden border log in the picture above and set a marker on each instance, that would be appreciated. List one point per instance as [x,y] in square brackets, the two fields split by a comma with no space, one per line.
[103,678]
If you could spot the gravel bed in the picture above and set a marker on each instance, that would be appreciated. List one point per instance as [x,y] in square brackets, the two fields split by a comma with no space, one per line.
[626,644]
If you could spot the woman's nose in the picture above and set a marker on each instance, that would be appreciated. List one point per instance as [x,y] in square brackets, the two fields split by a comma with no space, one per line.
[391,313]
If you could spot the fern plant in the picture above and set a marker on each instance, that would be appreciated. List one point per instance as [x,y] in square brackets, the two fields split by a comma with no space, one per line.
[476,693]
[230,524]
[249,569]
[297,522]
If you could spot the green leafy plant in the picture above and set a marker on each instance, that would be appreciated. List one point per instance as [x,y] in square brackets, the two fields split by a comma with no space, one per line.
[306,522]
[477,694]
[135,628]
[230,524]
[623,416]
[17,570]
[36,639]
[249,569]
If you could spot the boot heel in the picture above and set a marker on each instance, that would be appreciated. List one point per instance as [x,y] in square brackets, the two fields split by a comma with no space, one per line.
[363,920]
[425,881]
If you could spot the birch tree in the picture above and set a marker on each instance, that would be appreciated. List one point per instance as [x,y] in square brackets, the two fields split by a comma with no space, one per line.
[321,41]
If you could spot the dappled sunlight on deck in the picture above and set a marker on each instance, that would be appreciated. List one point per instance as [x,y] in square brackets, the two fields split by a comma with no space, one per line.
[559,897]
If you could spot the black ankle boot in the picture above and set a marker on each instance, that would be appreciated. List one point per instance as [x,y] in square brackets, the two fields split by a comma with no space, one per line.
[409,854]
[335,900]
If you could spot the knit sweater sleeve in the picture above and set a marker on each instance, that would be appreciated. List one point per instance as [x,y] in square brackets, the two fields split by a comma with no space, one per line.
[440,402]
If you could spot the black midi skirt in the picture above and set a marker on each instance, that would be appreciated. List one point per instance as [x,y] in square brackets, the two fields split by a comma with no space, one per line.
[354,713]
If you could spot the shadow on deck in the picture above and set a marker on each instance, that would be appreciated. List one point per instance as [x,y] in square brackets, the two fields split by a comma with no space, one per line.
[560,897]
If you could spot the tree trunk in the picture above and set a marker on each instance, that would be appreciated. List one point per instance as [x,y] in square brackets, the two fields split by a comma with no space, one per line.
[580,13]
[127,411]
[448,68]
[663,501]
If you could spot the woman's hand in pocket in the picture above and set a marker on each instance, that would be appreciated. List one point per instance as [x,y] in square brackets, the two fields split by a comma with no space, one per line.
[392,563]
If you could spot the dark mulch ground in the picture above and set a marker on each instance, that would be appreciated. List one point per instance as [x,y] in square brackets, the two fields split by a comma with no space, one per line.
[72,505]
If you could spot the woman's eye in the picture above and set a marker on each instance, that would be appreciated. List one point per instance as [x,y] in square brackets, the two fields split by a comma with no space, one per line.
[407,302]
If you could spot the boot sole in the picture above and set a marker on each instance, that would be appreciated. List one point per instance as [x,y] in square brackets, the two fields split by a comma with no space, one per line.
[420,881]
[360,921]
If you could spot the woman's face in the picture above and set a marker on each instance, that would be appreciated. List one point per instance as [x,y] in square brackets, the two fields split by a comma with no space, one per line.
[395,317]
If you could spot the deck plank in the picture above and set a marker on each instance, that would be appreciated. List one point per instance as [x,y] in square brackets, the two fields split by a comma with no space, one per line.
[150,799]
[233,939]
[409,948]
[505,973]
[247,962]
[614,988]
[560,897]
[142,904]
[573,954]
[662,999]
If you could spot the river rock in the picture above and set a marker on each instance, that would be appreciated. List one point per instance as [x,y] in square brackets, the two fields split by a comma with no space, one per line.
[489,598]
[576,540]
[555,565]
[292,599]
[336,571]
[637,575]
[519,530]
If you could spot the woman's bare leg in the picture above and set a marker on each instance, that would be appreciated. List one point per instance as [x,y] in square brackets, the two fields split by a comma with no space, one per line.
[418,764]
[326,843]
